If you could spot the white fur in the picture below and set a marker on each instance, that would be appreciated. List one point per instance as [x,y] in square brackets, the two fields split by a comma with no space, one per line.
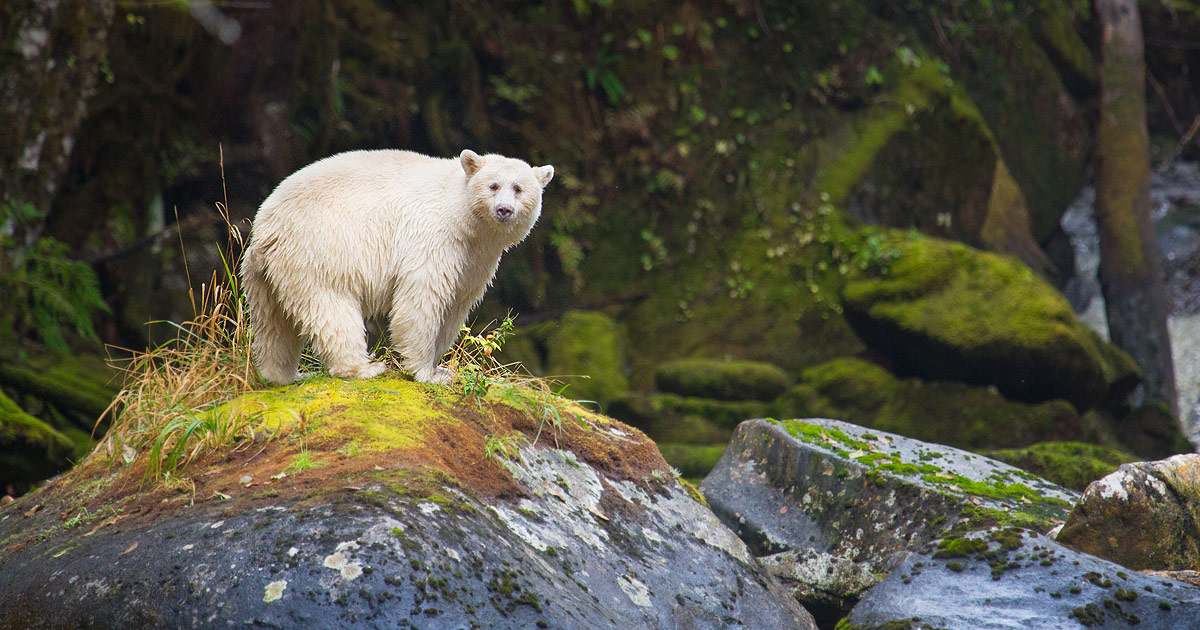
[370,233]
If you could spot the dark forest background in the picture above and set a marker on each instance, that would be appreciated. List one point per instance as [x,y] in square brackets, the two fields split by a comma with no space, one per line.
[736,179]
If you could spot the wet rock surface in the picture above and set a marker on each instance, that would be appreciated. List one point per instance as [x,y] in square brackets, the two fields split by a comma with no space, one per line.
[582,551]
[830,507]
[408,512]
[1146,515]
[1013,579]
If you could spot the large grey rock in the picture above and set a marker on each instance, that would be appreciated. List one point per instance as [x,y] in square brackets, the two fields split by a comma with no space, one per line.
[830,507]
[1010,580]
[581,548]
[1146,515]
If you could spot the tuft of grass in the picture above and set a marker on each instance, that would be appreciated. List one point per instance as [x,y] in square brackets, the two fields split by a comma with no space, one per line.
[303,461]
[167,411]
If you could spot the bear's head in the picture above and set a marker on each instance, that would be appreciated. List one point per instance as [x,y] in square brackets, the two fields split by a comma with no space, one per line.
[504,192]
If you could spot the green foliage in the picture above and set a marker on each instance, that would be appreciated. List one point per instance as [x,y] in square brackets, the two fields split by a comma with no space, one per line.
[44,289]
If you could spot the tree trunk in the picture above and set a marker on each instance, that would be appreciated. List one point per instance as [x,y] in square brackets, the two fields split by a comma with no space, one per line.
[1130,274]
[52,53]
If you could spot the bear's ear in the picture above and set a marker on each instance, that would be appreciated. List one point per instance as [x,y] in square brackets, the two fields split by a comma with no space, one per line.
[544,174]
[471,161]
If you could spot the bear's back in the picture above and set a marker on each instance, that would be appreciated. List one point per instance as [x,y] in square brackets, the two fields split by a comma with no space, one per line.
[357,180]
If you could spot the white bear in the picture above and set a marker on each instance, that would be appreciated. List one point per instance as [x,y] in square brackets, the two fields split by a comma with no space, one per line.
[394,233]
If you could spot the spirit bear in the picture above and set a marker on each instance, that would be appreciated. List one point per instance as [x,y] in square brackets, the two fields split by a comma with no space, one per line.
[393,233]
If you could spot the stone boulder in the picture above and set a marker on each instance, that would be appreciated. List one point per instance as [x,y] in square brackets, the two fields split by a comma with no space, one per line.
[1072,465]
[722,380]
[1009,579]
[830,507]
[385,503]
[864,393]
[945,311]
[1146,515]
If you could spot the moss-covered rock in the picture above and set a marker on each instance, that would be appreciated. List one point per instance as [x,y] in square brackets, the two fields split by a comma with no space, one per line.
[925,158]
[722,380]
[1069,464]
[30,450]
[50,411]
[693,461]
[1146,515]
[831,508]
[586,350]
[866,394]
[946,311]
[642,409]
[387,500]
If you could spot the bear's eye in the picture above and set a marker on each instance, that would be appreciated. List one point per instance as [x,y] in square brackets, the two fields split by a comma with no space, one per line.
[516,189]
[494,186]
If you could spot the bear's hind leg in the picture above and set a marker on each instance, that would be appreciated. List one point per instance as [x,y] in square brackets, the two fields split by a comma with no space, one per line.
[275,344]
[335,324]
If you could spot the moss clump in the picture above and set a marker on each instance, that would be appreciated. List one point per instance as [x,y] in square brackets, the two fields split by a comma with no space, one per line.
[586,351]
[693,461]
[385,413]
[644,410]
[1068,464]
[864,393]
[722,380]
[946,311]
[960,547]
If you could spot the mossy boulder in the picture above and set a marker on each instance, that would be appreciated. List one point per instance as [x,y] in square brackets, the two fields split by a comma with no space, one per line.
[30,450]
[585,350]
[925,158]
[722,380]
[1069,464]
[831,508]
[50,409]
[645,409]
[945,311]
[1007,578]
[1146,515]
[693,461]
[964,416]
[384,502]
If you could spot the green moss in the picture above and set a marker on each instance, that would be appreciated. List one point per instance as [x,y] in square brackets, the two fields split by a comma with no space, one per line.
[691,460]
[864,393]
[30,449]
[852,382]
[946,311]
[722,380]
[586,351]
[821,436]
[384,413]
[1069,464]
[960,547]
[645,410]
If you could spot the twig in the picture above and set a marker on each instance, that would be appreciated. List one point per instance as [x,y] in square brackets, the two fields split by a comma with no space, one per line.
[1166,103]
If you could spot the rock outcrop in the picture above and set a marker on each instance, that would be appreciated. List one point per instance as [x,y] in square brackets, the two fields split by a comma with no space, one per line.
[377,506]
[1009,579]
[830,507]
[947,312]
[1146,515]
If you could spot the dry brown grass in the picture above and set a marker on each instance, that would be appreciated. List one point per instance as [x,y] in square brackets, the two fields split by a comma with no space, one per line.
[167,407]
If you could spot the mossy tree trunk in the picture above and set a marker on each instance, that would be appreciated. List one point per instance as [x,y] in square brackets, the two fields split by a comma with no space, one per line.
[1130,274]
[51,57]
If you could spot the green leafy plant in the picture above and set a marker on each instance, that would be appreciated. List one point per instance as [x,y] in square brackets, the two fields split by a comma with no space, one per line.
[44,289]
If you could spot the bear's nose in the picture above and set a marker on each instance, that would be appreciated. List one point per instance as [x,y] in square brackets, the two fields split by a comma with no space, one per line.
[504,212]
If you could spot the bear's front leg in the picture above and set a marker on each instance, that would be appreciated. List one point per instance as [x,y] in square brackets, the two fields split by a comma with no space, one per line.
[415,336]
